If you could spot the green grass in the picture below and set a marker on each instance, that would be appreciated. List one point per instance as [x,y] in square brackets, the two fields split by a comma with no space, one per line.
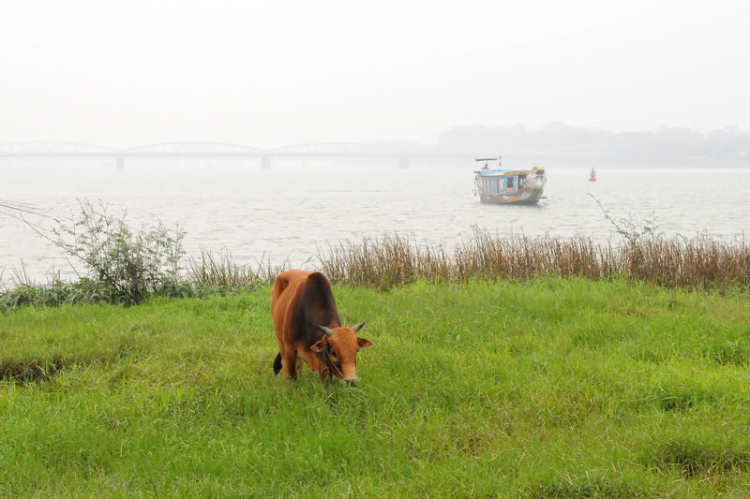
[549,389]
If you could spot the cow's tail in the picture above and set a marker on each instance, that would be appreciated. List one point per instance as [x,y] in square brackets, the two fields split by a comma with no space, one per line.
[277,364]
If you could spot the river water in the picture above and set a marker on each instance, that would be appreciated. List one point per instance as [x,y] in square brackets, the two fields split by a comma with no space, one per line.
[286,212]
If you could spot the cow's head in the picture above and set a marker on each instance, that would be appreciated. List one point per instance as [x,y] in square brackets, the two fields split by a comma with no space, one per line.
[339,347]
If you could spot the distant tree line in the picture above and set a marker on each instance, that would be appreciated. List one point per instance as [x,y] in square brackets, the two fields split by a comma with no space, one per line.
[562,145]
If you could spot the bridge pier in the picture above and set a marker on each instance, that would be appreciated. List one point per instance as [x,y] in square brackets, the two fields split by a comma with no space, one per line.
[403,162]
[119,162]
[265,162]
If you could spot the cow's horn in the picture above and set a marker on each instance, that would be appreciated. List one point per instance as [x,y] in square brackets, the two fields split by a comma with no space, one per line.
[326,330]
[358,327]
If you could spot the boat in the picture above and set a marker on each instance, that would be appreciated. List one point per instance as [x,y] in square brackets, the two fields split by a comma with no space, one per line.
[504,186]
[592,175]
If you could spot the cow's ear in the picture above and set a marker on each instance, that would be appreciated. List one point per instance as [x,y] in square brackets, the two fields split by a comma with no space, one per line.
[320,345]
[364,342]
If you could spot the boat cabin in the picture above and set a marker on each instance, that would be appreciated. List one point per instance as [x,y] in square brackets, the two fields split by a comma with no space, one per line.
[498,181]
[498,184]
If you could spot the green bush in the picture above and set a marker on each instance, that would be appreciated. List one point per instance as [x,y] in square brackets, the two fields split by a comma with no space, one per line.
[129,265]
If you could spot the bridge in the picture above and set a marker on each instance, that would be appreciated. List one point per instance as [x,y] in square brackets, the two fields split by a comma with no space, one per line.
[208,150]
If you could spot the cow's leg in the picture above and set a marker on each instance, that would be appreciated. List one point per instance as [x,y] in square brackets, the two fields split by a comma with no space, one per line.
[290,363]
[315,364]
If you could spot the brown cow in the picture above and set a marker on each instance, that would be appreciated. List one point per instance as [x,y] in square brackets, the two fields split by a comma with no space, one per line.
[307,325]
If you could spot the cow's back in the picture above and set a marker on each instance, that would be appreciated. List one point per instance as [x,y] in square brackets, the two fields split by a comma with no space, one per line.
[301,301]
[318,304]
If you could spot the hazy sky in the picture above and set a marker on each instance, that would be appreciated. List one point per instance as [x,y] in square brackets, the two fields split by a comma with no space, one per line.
[269,73]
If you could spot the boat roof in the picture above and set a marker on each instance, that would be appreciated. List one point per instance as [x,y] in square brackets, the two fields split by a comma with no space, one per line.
[500,171]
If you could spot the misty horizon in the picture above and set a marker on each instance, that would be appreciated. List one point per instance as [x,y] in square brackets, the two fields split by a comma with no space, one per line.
[273,74]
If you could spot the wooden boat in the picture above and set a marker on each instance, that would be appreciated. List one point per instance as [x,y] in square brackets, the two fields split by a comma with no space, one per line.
[592,176]
[503,186]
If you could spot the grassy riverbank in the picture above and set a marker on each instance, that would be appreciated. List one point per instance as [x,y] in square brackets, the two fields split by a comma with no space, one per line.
[549,388]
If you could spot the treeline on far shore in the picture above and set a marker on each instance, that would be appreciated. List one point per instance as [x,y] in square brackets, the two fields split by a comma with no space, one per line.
[564,145]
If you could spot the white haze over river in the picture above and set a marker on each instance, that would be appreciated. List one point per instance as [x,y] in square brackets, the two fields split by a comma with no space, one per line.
[284,212]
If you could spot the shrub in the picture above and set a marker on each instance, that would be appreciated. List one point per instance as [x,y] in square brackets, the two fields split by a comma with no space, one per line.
[129,265]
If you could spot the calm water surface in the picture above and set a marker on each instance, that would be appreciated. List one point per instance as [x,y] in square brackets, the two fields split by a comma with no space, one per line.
[283,213]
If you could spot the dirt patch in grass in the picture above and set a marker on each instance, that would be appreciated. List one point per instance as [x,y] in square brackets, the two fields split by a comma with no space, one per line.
[32,371]
[36,370]
[682,399]
[693,459]
[730,353]
[589,488]
[676,403]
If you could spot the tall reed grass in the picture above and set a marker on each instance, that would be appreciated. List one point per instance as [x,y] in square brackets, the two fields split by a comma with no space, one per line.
[394,260]
[219,270]
[697,263]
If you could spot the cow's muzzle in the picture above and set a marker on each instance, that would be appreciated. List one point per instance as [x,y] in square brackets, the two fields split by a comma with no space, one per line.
[351,381]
